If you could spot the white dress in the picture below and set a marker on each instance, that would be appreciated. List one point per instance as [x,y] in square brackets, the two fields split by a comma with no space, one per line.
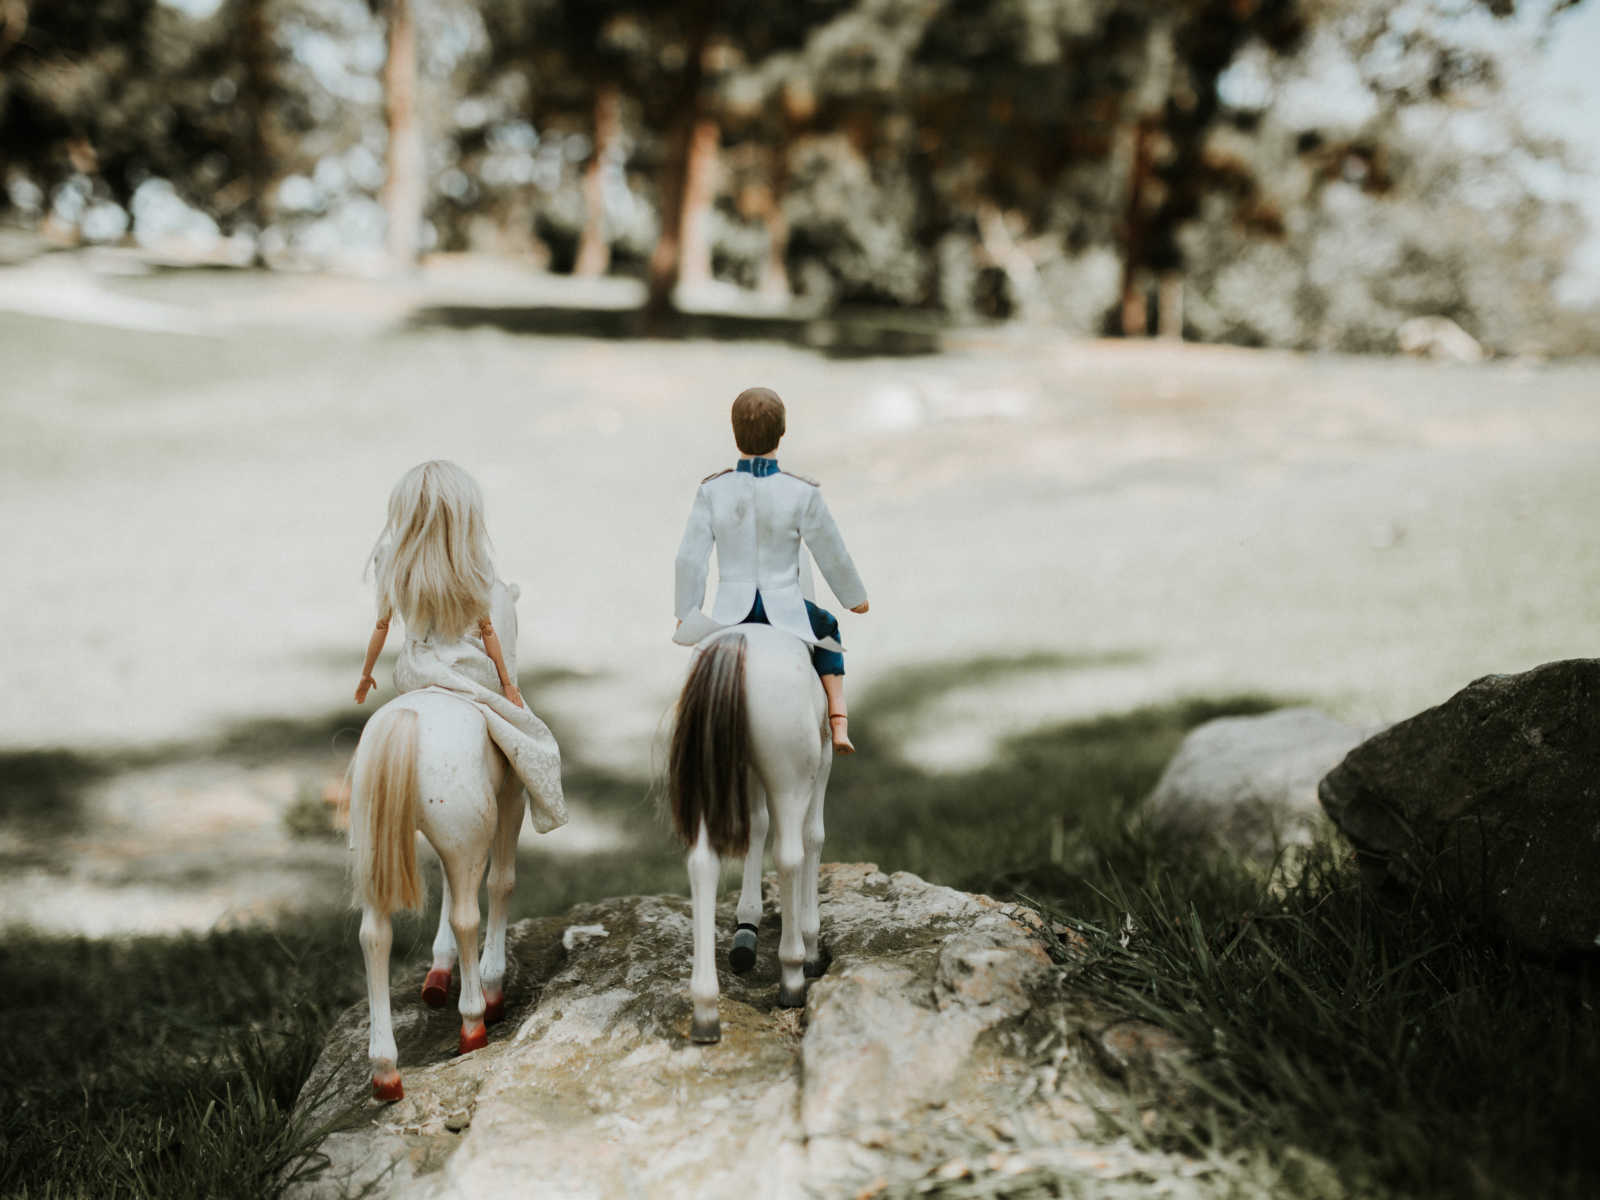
[462,667]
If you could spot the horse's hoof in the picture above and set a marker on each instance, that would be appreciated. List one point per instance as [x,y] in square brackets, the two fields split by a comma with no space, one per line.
[494,1010]
[474,1038]
[388,1090]
[743,955]
[704,1033]
[436,988]
[791,999]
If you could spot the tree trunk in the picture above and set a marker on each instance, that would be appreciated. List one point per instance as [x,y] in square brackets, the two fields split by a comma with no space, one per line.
[1169,310]
[775,271]
[403,191]
[689,109]
[699,194]
[255,35]
[594,249]
[1135,234]
[13,25]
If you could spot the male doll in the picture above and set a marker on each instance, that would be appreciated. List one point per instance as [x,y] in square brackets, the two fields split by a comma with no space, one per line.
[757,516]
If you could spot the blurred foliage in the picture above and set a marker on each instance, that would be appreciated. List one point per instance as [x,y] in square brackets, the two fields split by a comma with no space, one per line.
[1100,165]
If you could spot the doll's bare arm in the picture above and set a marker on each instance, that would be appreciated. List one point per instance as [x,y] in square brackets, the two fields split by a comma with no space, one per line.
[491,643]
[380,634]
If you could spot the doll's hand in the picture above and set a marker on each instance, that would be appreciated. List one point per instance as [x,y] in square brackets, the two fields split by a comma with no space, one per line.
[860,608]
[514,695]
[367,684]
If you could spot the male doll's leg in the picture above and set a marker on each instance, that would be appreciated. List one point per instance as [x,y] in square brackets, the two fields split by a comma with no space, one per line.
[830,667]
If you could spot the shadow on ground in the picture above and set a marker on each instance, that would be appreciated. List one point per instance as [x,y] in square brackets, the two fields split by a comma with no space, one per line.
[138,1104]
[857,335]
[949,827]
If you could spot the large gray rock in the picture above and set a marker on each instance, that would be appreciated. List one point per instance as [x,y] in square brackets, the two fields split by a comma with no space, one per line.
[1493,800]
[942,1042]
[1250,783]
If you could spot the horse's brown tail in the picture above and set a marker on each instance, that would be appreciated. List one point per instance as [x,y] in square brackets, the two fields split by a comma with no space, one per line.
[708,770]
[384,794]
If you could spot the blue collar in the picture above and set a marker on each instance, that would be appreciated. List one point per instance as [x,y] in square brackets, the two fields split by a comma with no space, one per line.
[759,467]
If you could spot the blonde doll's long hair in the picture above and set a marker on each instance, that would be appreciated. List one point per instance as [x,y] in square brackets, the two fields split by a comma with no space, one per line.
[431,561]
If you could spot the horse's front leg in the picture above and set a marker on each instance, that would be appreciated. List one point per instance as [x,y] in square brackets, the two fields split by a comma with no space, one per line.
[706,1024]
[436,987]
[748,915]
[810,917]
[377,935]
[502,878]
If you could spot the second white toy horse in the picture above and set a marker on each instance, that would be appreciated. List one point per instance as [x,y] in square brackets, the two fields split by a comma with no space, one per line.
[751,747]
[426,764]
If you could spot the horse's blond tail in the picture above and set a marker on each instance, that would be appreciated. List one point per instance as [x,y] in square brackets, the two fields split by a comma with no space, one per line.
[384,795]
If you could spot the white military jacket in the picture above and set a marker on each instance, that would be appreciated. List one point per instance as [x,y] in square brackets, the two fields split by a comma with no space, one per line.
[758,525]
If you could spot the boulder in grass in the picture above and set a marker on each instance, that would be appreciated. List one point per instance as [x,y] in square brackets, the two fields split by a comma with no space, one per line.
[1491,801]
[1250,783]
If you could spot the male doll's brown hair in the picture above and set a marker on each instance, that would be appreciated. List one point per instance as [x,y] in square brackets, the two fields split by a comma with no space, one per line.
[758,421]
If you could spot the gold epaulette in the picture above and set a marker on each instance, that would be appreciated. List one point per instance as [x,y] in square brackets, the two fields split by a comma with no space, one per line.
[801,478]
[717,474]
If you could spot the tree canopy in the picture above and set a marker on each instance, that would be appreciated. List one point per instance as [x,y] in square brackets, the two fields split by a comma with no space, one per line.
[1104,165]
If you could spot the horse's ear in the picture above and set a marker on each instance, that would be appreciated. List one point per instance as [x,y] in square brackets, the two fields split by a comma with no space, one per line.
[516,591]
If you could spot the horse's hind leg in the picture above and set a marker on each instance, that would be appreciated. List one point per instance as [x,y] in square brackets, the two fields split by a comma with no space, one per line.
[748,915]
[810,918]
[790,854]
[463,867]
[502,878]
[706,1025]
[436,987]
[376,938]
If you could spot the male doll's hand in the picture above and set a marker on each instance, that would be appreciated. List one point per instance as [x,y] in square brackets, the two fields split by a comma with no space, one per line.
[860,608]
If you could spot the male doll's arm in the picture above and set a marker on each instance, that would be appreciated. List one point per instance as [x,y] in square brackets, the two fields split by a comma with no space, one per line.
[694,554]
[827,547]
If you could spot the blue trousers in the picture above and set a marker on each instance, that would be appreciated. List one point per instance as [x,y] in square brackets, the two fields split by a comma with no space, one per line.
[823,625]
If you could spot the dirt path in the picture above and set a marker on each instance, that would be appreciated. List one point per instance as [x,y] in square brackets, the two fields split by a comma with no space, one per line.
[187,519]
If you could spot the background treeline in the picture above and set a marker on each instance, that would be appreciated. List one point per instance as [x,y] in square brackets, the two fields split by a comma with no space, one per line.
[1305,173]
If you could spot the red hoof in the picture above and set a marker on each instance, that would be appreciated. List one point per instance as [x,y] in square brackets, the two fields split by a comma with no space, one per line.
[387,1090]
[436,988]
[494,1010]
[473,1039]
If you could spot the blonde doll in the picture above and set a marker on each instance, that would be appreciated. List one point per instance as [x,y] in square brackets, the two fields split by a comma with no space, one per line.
[432,567]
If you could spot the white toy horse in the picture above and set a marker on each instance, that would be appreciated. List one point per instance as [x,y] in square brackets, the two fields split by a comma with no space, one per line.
[426,764]
[751,746]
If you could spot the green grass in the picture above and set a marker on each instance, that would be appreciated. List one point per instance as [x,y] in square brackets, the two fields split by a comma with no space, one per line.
[1415,1057]
[164,1066]
[1411,1057]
